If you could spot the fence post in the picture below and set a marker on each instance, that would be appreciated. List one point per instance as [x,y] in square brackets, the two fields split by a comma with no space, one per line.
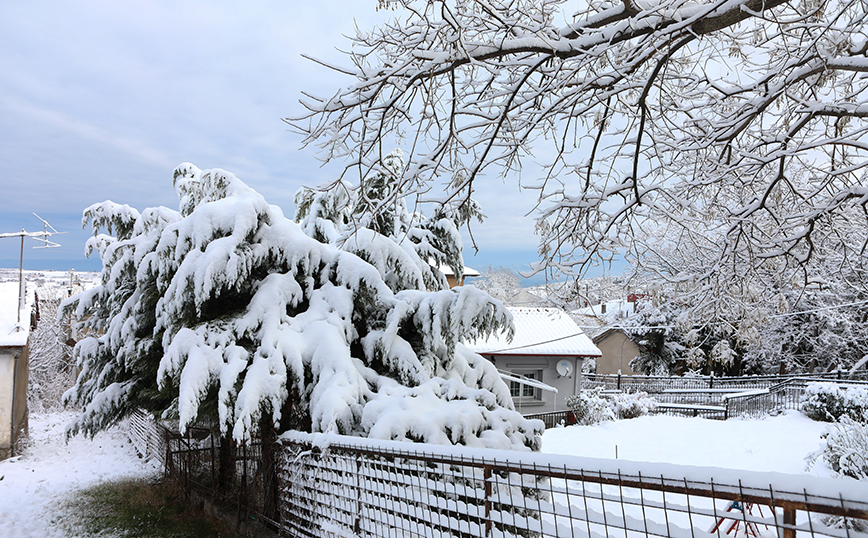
[357,525]
[711,381]
[789,521]
[619,380]
[488,491]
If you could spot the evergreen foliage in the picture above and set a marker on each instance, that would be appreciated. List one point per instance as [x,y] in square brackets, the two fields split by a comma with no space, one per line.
[590,407]
[353,218]
[227,311]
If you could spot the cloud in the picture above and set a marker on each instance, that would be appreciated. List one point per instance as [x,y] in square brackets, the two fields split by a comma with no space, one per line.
[101,100]
[137,149]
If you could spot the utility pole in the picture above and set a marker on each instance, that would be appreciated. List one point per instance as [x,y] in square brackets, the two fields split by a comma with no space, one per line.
[46,243]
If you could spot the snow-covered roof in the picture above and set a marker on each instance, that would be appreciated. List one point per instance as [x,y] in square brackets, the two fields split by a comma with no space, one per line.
[618,305]
[468,271]
[9,336]
[524,298]
[540,331]
[591,325]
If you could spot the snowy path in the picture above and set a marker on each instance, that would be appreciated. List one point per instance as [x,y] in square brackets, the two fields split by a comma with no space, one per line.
[34,485]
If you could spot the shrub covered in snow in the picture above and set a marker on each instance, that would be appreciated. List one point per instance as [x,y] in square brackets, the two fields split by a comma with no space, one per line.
[229,311]
[829,402]
[632,404]
[845,448]
[52,370]
[590,407]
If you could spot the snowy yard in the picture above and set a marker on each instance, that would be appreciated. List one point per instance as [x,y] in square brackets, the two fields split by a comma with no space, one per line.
[778,443]
[34,486]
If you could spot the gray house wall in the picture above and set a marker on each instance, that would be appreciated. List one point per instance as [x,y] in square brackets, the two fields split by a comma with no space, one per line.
[617,350]
[546,365]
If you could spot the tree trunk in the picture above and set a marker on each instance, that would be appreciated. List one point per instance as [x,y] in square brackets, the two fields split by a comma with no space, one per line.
[225,463]
[268,468]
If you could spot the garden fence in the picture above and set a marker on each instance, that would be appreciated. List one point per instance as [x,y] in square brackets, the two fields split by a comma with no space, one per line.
[328,486]
[147,436]
[338,486]
[193,460]
[659,384]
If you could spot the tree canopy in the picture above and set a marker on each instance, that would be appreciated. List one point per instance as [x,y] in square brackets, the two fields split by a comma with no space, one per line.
[227,311]
[736,128]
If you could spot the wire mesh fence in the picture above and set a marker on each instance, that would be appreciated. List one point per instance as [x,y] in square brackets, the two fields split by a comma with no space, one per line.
[392,489]
[326,486]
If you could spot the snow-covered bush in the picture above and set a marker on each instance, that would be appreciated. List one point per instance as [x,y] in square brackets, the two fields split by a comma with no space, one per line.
[829,402]
[632,405]
[52,370]
[845,451]
[590,407]
[227,310]
[846,447]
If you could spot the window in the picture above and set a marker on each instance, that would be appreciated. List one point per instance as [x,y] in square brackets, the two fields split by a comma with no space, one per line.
[524,391]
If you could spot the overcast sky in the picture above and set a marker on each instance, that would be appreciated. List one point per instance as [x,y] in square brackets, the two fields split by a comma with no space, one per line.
[101,100]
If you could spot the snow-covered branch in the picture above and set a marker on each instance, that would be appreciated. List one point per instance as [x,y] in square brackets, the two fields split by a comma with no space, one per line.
[740,120]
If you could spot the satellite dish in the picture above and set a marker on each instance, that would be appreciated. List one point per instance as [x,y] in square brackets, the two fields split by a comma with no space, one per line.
[564,368]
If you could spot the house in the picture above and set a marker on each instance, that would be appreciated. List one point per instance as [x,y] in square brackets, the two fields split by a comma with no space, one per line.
[546,353]
[618,350]
[15,325]
[616,347]
[450,275]
[608,308]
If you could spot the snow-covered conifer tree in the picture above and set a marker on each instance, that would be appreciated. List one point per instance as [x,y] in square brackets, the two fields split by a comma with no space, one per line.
[372,220]
[229,311]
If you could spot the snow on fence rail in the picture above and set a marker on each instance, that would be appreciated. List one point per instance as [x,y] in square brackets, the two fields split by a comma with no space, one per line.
[343,486]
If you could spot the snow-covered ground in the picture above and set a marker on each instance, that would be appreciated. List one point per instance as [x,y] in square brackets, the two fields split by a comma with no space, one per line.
[780,443]
[33,486]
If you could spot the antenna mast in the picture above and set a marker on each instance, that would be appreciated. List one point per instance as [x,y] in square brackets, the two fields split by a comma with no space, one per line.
[39,236]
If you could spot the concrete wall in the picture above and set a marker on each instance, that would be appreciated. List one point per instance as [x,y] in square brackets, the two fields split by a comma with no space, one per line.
[548,401]
[618,351]
[13,398]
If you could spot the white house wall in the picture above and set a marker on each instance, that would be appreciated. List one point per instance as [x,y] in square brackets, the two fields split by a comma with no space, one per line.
[549,401]
[7,382]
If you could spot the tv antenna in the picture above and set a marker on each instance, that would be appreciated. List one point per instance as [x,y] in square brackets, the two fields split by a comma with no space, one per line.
[47,231]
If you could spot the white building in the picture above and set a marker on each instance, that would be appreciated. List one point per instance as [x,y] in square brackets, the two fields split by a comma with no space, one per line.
[547,350]
[14,365]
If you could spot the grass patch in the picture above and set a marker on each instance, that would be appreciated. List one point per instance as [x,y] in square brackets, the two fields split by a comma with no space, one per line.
[139,508]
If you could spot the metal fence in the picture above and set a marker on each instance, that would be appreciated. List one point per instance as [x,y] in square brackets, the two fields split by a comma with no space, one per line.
[334,486]
[659,384]
[736,399]
[233,478]
[147,436]
[344,486]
